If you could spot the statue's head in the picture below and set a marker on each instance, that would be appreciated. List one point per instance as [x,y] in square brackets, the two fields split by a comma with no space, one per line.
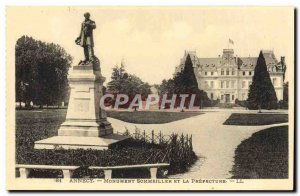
[87,15]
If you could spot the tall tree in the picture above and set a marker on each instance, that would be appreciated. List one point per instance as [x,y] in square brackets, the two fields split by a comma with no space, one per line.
[117,78]
[41,72]
[185,82]
[261,94]
[26,48]
[129,84]
[167,86]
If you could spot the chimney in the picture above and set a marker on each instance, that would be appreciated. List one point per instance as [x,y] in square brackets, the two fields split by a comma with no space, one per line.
[228,52]
[282,59]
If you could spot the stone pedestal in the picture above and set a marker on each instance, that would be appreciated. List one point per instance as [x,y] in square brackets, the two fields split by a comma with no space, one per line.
[86,124]
[84,116]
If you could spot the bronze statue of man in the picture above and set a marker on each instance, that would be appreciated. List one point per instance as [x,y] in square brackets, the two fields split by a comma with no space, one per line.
[85,38]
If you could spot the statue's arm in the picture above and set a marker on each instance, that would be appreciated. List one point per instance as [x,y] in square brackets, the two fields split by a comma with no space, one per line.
[93,25]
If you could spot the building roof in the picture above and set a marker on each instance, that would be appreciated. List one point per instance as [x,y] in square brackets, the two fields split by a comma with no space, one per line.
[228,57]
[210,61]
[269,57]
[246,62]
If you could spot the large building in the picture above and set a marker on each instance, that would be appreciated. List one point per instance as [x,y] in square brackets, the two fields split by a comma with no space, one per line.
[228,76]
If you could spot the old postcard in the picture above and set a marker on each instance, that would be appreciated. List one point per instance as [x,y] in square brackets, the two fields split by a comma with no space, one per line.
[150,98]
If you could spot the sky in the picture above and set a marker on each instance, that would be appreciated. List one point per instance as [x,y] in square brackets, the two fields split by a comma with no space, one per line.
[151,40]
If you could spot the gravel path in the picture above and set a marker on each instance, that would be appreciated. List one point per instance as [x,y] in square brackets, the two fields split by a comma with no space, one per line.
[212,141]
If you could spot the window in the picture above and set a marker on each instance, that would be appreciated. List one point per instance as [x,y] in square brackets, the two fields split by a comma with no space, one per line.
[222,97]
[232,84]
[232,97]
[243,84]
[205,73]
[250,73]
[243,96]
[233,72]
[211,84]
[227,72]
[227,84]
[244,73]
[211,96]
[222,84]
[206,84]
[222,72]
[212,73]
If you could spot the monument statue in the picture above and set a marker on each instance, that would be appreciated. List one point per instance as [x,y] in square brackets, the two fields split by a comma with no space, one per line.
[86,125]
[86,39]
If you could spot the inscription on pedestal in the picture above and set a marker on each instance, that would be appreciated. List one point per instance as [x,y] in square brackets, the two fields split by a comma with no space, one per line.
[82,105]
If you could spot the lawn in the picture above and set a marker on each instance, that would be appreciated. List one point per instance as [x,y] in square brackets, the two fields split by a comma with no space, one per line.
[255,119]
[150,117]
[263,155]
[40,124]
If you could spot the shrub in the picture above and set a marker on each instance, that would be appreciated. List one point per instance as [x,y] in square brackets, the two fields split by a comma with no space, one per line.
[242,103]
[141,149]
[174,149]
[283,105]
[264,155]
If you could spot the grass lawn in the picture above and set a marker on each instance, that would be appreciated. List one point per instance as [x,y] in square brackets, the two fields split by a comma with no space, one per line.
[150,117]
[35,125]
[263,155]
[42,123]
[255,119]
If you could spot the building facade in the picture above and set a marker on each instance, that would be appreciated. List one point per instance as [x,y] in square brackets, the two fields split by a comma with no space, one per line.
[228,76]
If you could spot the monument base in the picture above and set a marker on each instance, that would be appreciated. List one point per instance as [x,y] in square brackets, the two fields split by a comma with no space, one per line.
[77,142]
[86,125]
[85,128]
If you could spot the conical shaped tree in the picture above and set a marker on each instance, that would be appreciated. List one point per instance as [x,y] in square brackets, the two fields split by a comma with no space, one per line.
[185,82]
[261,94]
